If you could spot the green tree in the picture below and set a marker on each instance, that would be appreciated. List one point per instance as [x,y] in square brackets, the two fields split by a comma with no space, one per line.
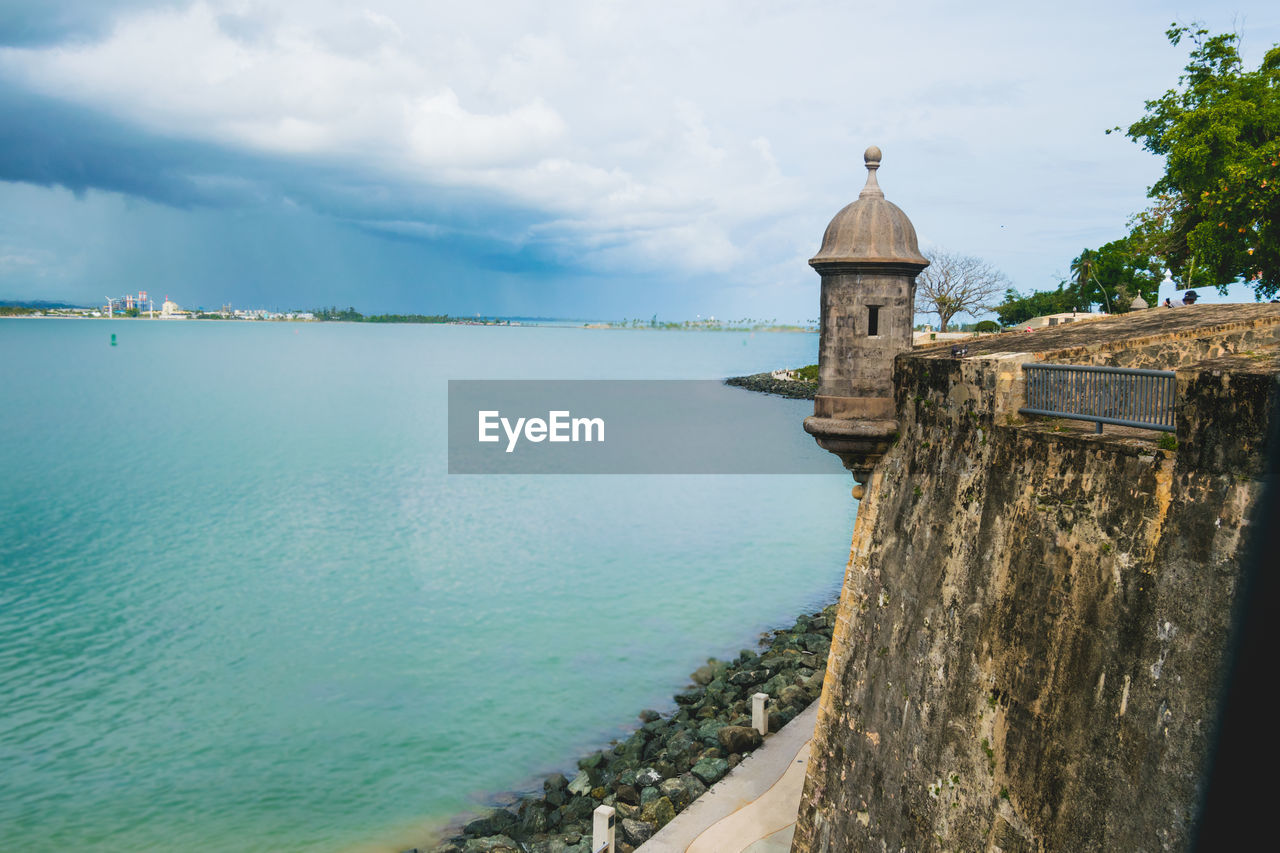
[1017,309]
[1113,274]
[1216,211]
[1083,268]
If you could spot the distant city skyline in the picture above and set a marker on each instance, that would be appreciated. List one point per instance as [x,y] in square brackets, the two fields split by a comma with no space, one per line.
[580,160]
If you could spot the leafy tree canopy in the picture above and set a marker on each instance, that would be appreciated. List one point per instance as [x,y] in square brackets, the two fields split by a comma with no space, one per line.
[1113,274]
[1216,211]
[1017,308]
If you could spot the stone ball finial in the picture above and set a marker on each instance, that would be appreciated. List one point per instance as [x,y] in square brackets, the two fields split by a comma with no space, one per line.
[871,230]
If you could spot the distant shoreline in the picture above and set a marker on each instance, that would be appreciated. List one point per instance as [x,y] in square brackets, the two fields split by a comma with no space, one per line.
[458,321]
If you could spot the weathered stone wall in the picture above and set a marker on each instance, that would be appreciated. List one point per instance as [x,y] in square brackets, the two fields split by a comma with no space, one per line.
[1033,622]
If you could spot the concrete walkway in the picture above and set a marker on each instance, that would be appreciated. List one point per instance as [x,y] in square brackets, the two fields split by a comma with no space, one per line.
[753,808]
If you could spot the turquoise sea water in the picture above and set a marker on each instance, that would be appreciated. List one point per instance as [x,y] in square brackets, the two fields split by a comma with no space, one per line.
[243,607]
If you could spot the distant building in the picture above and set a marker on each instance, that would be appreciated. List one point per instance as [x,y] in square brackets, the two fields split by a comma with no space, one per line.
[1060,319]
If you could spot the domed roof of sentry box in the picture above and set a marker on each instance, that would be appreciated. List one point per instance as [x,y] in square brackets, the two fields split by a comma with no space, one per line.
[870,230]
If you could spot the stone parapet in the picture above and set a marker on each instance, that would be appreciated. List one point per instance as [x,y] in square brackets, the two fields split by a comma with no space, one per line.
[1034,620]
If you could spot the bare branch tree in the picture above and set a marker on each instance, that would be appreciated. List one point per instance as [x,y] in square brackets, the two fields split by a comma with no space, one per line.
[954,284]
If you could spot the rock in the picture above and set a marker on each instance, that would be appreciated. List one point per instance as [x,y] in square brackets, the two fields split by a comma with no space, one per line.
[647,776]
[533,818]
[648,716]
[637,832]
[746,678]
[579,808]
[693,785]
[774,685]
[682,746]
[492,844]
[627,794]
[793,696]
[739,738]
[677,791]
[599,793]
[581,784]
[659,813]
[627,810]
[775,719]
[497,823]
[710,770]
[555,790]
[816,643]
[648,795]
[708,672]
[689,697]
[709,732]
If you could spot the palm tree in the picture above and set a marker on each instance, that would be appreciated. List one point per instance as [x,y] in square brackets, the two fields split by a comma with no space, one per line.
[1083,268]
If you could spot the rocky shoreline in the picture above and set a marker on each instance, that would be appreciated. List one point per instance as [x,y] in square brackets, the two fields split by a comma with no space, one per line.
[669,761]
[767,383]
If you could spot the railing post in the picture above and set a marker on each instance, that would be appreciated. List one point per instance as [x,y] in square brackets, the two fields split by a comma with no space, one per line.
[602,830]
[759,720]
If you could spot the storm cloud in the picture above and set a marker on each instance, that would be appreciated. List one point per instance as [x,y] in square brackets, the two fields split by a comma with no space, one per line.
[593,159]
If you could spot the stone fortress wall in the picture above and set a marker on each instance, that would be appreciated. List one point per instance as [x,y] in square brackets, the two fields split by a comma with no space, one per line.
[1032,629]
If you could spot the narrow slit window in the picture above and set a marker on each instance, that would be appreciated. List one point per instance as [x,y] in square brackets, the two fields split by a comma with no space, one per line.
[873,320]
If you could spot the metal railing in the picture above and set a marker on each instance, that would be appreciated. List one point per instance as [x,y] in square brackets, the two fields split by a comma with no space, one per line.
[1105,395]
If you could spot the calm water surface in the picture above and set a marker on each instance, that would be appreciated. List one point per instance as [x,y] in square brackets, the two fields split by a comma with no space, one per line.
[244,608]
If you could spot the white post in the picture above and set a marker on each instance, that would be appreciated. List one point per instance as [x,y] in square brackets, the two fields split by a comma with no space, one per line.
[759,720]
[602,830]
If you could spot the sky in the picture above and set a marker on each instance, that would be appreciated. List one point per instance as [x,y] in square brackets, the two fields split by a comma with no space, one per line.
[594,159]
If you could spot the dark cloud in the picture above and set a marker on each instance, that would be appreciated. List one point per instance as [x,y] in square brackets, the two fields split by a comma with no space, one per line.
[48,142]
[41,22]
[53,143]
[226,224]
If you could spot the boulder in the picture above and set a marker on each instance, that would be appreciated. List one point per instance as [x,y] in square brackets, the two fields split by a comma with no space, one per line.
[647,776]
[581,783]
[739,738]
[579,808]
[496,823]
[677,791]
[710,770]
[709,732]
[492,844]
[693,785]
[793,696]
[555,790]
[637,832]
[627,794]
[748,677]
[659,813]
[532,816]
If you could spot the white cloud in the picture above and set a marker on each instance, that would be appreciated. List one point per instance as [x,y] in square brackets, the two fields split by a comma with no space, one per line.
[708,137]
